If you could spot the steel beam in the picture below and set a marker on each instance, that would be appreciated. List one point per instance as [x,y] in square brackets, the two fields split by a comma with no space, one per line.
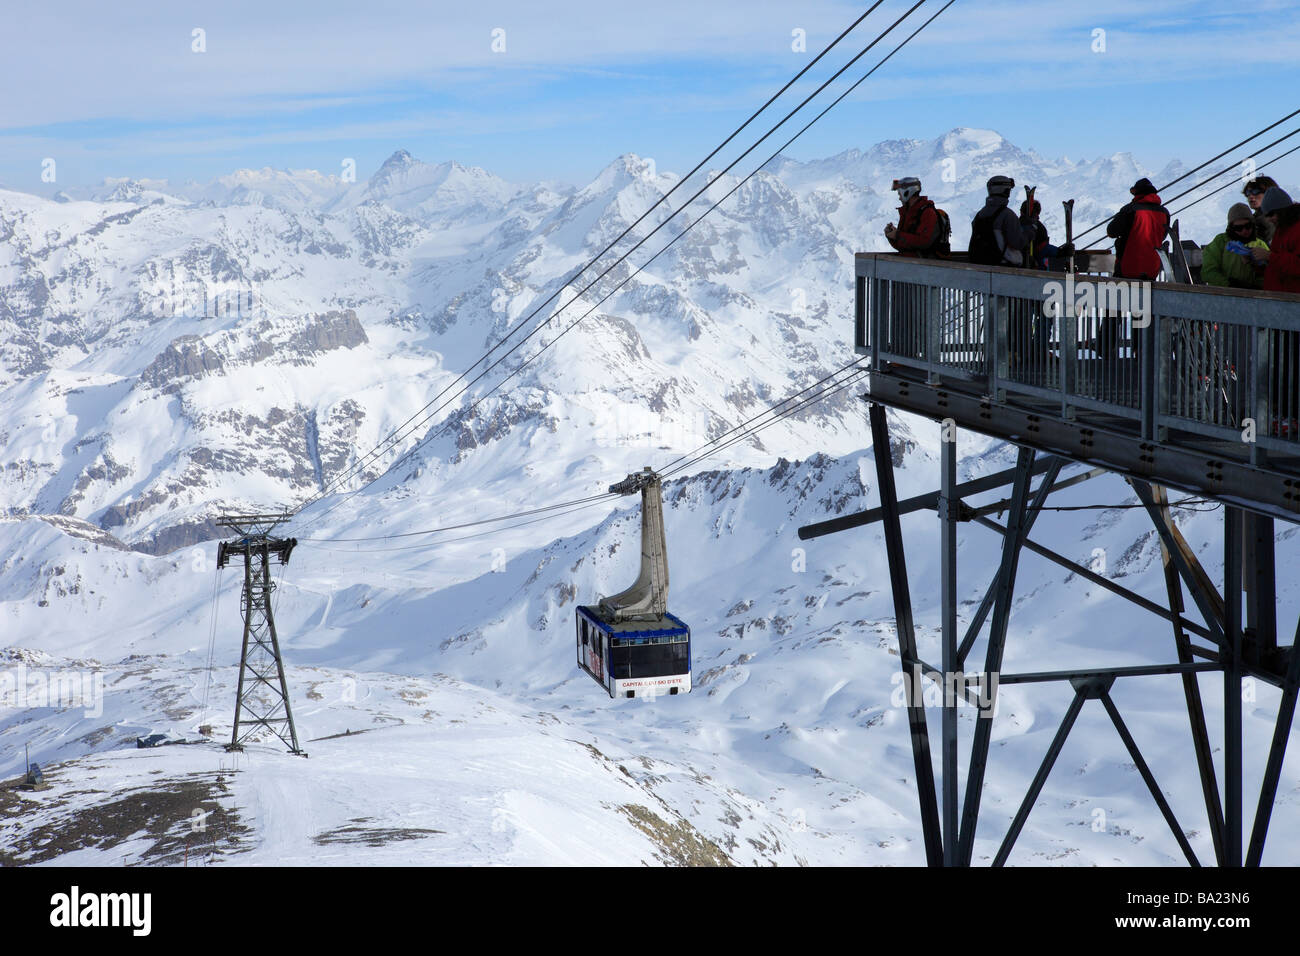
[1095,578]
[1191,688]
[949,506]
[1192,470]
[1088,673]
[1232,757]
[892,527]
[1203,591]
[1138,761]
[928,501]
[1040,778]
[1276,754]
[997,643]
[1045,487]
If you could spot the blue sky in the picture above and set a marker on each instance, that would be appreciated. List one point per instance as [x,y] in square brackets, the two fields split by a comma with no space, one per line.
[116,90]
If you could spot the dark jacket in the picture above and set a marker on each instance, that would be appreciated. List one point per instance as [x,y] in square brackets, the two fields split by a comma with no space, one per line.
[1139,230]
[918,227]
[1012,233]
[1038,247]
[1263,227]
[1283,271]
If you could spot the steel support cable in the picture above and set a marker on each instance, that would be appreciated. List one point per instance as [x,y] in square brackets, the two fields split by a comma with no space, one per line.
[656,229]
[827,392]
[466,537]
[579,505]
[770,408]
[1215,192]
[379,449]
[469,524]
[1215,159]
[1233,167]
[559,506]
[212,644]
[1212,178]
[665,248]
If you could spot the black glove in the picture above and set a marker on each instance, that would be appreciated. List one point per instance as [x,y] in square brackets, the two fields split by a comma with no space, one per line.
[1066,250]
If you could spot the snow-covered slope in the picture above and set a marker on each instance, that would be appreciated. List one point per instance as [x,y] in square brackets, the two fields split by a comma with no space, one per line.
[168,352]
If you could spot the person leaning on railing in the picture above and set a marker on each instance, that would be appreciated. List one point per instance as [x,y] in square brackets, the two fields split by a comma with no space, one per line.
[1228,261]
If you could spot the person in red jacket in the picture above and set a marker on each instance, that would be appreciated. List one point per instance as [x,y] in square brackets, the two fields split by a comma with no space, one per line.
[1139,230]
[1282,273]
[919,232]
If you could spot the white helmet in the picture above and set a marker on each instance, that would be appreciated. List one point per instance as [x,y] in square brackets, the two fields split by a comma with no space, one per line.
[906,187]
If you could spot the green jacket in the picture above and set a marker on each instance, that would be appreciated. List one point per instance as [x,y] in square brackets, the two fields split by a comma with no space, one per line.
[1224,268]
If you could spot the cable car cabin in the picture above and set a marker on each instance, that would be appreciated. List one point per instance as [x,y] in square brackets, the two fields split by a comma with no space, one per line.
[635,658]
[629,642]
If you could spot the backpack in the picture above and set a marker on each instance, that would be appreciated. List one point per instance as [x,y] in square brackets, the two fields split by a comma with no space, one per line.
[943,244]
[984,249]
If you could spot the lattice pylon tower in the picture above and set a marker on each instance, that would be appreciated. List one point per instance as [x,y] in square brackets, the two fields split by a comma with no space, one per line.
[262,699]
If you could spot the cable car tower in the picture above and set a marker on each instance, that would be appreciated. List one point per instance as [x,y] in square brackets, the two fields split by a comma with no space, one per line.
[629,642]
[262,699]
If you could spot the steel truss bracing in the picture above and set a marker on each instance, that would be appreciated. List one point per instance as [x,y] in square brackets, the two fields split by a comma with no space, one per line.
[1237,639]
[262,698]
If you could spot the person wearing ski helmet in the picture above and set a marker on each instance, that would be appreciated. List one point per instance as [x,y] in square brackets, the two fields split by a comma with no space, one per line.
[919,230]
[998,237]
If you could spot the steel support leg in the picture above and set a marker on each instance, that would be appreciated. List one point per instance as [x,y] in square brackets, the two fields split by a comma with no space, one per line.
[997,642]
[977,621]
[1040,778]
[906,635]
[1232,797]
[1149,778]
[1276,754]
[279,660]
[949,505]
[1192,692]
[1202,589]
[245,597]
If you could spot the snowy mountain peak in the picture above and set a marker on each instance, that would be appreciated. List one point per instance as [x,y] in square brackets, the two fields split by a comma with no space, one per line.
[966,140]
[400,159]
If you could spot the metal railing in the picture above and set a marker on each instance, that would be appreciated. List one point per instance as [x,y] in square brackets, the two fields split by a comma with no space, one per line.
[1218,363]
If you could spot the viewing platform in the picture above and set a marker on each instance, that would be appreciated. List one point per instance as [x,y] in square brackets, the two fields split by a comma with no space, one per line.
[1169,384]
[1192,387]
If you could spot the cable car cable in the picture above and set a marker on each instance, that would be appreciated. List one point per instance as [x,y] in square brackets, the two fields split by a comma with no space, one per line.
[467,537]
[1205,182]
[369,456]
[788,398]
[1180,211]
[656,229]
[470,524]
[824,393]
[665,248]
